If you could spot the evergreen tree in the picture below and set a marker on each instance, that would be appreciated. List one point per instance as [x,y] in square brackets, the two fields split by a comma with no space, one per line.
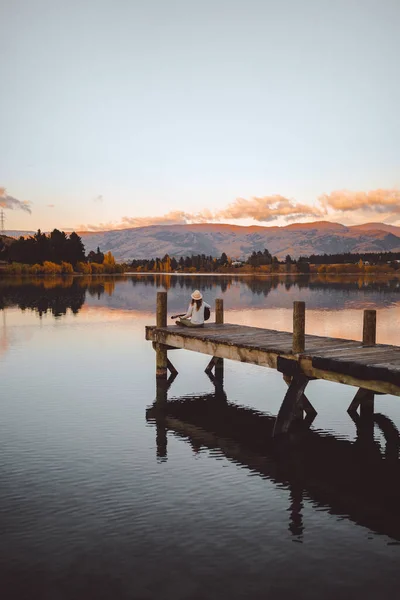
[58,246]
[75,249]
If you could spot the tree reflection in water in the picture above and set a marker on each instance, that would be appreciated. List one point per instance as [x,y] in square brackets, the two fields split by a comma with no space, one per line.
[52,294]
[57,294]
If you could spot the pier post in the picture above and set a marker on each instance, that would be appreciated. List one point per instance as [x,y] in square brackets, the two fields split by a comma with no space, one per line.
[299,322]
[161,349]
[290,405]
[219,311]
[367,405]
[218,363]
[161,428]
[369,328]
[364,400]
[219,371]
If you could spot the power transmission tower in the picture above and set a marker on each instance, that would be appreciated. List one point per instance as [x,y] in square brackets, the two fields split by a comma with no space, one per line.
[2,220]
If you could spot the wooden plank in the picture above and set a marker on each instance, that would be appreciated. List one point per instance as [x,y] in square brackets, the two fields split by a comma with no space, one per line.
[376,385]
[359,350]
[162,334]
[365,371]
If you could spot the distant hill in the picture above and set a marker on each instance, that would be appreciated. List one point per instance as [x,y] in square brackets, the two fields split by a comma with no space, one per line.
[239,242]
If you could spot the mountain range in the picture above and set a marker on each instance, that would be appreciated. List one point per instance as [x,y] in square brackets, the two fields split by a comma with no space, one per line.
[239,242]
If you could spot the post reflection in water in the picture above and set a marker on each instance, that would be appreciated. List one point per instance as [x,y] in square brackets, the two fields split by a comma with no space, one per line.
[357,480]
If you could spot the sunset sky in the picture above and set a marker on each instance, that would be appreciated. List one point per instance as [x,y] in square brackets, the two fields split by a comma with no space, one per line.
[118,113]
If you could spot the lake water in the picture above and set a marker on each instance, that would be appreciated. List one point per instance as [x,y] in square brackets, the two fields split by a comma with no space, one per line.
[101,497]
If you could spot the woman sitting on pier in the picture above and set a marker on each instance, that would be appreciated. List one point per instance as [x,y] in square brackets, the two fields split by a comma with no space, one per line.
[195,316]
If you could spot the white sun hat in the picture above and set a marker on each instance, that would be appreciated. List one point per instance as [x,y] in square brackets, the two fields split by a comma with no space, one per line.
[197,295]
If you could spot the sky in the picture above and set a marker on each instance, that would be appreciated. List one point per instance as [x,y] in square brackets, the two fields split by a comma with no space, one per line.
[121,113]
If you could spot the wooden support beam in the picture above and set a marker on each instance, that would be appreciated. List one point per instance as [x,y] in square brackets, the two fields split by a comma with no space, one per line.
[288,366]
[167,347]
[369,328]
[171,379]
[291,401]
[287,379]
[171,368]
[299,321]
[308,408]
[218,376]
[161,391]
[355,403]
[364,399]
[161,361]
[304,404]
[367,405]
[161,349]
[210,365]
[219,371]
[219,311]
[162,386]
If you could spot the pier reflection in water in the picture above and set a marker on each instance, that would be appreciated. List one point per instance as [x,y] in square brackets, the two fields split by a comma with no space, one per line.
[356,480]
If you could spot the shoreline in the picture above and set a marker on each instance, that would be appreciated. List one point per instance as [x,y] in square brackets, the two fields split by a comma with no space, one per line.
[376,275]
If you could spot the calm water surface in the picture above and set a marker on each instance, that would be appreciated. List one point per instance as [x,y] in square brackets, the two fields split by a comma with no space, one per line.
[102,496]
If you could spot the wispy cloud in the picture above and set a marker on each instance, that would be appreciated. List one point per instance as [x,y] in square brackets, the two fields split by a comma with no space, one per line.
[50,205]
[379,201]
[11,203]
[99,227]
[269,208]
[176,217]
[172,218]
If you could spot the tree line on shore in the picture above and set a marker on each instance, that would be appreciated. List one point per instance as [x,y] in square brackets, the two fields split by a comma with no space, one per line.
[54,253]
[201,263]
[265,262]
[61,253]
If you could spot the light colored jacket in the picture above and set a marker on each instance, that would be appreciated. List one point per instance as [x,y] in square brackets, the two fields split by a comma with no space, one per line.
[197,316]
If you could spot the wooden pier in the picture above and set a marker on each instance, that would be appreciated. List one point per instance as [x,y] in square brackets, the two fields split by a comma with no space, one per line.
[372,368]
